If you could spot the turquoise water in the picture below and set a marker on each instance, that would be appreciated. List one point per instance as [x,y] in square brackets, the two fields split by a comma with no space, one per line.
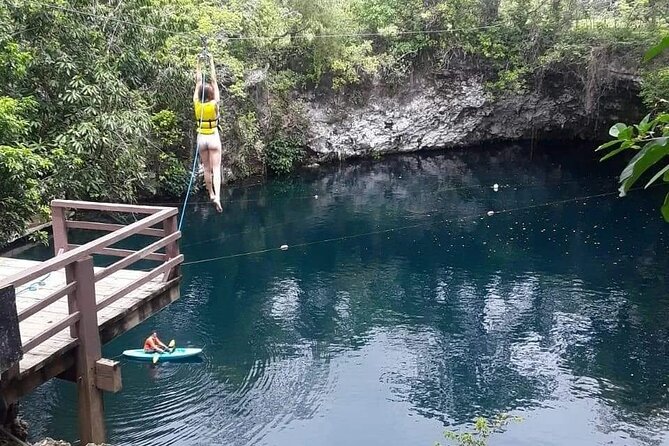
[401,308]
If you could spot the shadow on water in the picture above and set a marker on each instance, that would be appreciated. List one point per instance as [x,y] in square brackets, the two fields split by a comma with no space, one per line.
[555,310]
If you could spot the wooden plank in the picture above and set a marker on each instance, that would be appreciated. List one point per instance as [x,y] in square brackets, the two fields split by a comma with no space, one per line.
[108,375]
[59,230]
[72,296]
[11,373]
[60,261]
[145,308]
[110,227]
[141,281]
[117,252]
[171,226]
[55,355]
[138,255]
[49,332]
[110,207]
[53,297]
[91,409]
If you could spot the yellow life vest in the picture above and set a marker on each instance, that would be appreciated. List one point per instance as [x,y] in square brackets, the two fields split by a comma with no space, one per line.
[207,112]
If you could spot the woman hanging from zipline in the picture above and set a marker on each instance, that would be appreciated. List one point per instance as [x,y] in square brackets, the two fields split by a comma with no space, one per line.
[205,98]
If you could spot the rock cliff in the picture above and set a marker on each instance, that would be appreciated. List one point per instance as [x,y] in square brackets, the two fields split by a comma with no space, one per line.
[453,111]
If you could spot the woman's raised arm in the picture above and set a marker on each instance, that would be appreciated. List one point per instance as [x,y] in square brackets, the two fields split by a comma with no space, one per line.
[198,79]
[214,81]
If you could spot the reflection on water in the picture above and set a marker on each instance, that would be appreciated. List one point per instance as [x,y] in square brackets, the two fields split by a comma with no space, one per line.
[557,313]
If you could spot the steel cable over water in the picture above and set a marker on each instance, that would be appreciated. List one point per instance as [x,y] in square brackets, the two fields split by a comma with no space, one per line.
[275,37]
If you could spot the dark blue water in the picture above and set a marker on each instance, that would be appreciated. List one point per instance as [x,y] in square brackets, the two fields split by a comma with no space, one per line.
[401,308]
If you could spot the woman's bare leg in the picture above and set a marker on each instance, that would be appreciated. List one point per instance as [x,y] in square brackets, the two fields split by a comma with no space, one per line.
[204,156]
[215,160]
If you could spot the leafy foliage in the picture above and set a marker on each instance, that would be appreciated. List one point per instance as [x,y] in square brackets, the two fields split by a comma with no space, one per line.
[102,91]
[650,140]
[282,155]
[172,176]
[483,429]
[20,170]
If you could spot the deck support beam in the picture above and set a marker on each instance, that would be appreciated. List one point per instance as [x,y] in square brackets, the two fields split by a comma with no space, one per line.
[170,226]
[59,230]
[90,399]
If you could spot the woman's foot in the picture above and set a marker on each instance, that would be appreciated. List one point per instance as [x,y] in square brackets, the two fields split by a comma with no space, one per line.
[217,204]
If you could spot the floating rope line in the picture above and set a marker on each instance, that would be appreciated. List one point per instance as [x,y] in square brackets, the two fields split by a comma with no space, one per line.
[222,237]
[317,195]
[401,228]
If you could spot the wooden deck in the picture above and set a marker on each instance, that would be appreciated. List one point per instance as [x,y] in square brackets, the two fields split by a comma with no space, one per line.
[58,313]
[62,342]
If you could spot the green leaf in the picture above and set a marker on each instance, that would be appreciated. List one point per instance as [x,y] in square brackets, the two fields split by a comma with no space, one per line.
[657,49]
[651,153]
[663,172]
[616,129]
[608,144]
[645,125]
[665,208]
[614,152]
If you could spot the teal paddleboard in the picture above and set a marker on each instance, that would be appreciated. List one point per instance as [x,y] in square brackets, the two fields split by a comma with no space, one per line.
[177,353]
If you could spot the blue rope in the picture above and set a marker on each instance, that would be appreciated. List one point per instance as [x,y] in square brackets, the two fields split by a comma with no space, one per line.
[190,185]
[35,285]
[197,152]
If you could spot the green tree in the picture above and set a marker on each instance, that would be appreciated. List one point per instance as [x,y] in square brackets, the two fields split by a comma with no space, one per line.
[649,138]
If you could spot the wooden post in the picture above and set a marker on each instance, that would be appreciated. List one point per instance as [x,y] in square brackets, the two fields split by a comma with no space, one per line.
[59,229]
[60,245]
[91,408]
[72,297]
[171,225]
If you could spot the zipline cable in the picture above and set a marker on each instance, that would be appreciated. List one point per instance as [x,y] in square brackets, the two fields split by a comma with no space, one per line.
[401,228]
[280,36]
[296,36]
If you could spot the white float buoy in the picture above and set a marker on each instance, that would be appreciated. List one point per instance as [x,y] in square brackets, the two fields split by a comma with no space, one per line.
[495,187]
[316,197]
[284,247]
[491,213]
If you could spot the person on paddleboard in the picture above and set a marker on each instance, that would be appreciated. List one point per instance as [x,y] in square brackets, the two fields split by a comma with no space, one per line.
[153,344]
[205,101]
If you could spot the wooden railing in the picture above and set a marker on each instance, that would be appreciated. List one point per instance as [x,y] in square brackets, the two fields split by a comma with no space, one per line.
[79,271]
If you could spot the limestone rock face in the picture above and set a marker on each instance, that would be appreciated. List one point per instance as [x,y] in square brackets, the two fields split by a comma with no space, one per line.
[51,442]
[454,112]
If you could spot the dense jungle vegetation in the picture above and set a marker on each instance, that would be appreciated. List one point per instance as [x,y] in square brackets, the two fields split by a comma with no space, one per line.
[95,97]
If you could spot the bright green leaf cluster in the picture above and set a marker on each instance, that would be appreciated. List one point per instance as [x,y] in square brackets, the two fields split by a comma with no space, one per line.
[483,429]
[649,139]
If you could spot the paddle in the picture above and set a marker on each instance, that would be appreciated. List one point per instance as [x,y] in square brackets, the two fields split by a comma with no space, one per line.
[171,346]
